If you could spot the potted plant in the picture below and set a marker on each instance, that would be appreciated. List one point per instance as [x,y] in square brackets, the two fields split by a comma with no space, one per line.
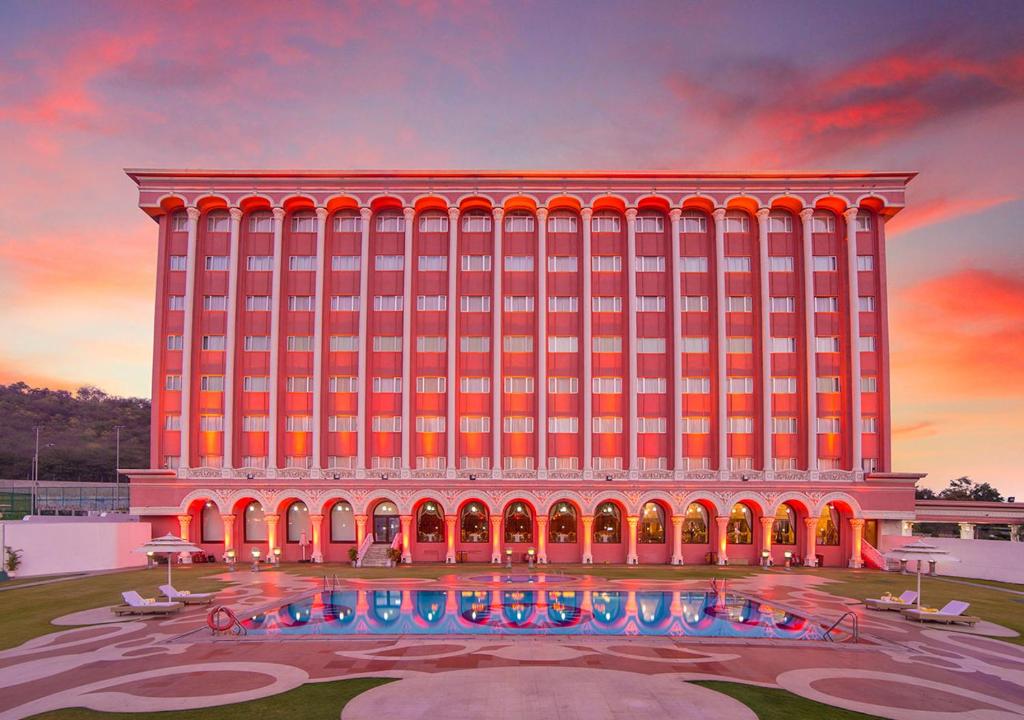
[395,556]
[353,555]
[12,561]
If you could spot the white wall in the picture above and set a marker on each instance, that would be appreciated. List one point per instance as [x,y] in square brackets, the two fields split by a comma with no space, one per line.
[981,559]
[65,545]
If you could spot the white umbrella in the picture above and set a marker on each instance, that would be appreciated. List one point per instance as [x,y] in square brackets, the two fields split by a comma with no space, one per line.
[922,552]
[168,545]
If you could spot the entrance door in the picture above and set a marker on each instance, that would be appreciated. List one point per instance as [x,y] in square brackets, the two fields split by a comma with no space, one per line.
[871,532]
[386,528]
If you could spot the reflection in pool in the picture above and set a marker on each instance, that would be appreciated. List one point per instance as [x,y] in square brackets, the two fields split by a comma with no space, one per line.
[531,612]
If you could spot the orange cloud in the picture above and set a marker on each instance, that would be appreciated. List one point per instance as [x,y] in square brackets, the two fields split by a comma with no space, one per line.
[924,428]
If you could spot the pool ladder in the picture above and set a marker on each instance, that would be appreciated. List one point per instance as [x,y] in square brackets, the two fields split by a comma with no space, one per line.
[856,626]
[331,583]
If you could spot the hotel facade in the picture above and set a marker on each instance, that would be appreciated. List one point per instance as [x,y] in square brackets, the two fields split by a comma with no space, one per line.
[599,367]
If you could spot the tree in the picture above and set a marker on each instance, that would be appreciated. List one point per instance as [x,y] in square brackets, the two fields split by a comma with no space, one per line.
[923,493]
[963,488]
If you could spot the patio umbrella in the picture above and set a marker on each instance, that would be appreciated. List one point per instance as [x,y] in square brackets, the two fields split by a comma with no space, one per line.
[923,552]
[168,545]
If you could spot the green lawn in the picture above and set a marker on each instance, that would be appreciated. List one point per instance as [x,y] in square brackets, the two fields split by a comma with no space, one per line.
[778,704]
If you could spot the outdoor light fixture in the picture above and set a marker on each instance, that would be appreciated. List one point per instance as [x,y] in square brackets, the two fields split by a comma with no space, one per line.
[277,555]
[384,477]
[608,478]
[745,477]
[149,559]
[529,557]
[472,477]
[229,558]
[765,558]
[255,559]
[249,476]
[337,476]
[789,559]
[508,558]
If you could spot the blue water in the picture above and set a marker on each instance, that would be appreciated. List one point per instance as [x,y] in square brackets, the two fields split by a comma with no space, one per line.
[531,612]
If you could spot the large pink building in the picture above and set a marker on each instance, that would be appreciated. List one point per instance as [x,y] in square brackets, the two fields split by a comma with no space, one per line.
[604,366]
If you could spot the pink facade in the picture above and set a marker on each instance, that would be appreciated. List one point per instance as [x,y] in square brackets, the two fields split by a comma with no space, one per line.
[674,357]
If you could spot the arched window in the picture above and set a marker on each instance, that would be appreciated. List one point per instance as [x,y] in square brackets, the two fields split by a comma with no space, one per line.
[652,524]
[255,528]
[562,526]
[695,525]
[299,528]
[386,508]
[518,523]
[473,523]
[784,527]
[828,526]
[212,526]
[430,523]
[343,525]
[740,529]
[608,524]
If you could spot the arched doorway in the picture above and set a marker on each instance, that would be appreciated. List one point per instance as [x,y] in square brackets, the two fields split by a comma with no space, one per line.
[386,523]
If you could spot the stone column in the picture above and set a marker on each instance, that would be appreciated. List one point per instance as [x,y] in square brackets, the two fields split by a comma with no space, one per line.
[542,339]
[316,524]
[497,310]
[360,529]
[275,339]
[231,340]
[677,348]
[631,340]
[811,421]
[184,521]
[722,537]
[631,555]
[364,341]
[271,521]
[966,531]
[406,521]
[811,538]
[587,344]
[450,522]
[452,425]
[191,260]
[318,340]
[408,386]
[542,539]
[496,539]
[856,421]
[228,521]
[767,524]
[720,341]
[857,527]
[677,539]
[766,341]
[588,539]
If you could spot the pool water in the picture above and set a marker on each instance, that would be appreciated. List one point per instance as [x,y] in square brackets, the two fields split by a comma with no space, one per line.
[531,612]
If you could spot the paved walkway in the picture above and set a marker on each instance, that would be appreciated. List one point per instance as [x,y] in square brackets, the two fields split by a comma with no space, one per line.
[910,671]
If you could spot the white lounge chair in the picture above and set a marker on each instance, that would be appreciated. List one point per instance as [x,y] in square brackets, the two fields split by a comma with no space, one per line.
[953,612]
[135,604]
[186,598]
[892,603]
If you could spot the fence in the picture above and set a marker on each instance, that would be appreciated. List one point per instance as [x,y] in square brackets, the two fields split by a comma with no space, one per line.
[56,498]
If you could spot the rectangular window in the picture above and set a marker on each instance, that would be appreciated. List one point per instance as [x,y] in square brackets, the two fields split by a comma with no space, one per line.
[431,384]
[474,424]
[387,343]
[215,302]
[261,223]
[783,304]
[256,383]
[694,223]
[431,462]
[344,343]
[607,343]
[387,384]
[563,344]
[303,223]
[650,223]
[344,303]
[172,422]
[388,303]
[430,424]
[475,385]
[737,264]
[606,263]
[217,262]
[342,423]
[651,425]
[475,303]
[866,303]
[694,303]
[176,302]
[869,383]
[736,222]
[865,262]
[647,346]
[863,222]
[341,462]
[826,304]
[385,463]
[389,262]
[386,423]
[257,303]
[700,425]
[255,423]
[433,223]
[741,424]
[739,345]
[216,343]
[299,343]
[518,303]
[475,463]
[784,385]
[569,303]
[211,383]
[607,463]
[824,223]
[429,303]
[784,463]
[607,385]
[696,385]
[606,303]
[828,425]
[867,343]
[298,423]
[299,384]
[342,384]
[475,343]
[780,222]
[741,463]
[300,303]
[608,424]
[431,343]
[515,424]
[476,222]
[825,263]
[519,263]
[348,223]
[302,262]
[651,385]
[179,222]
[175,342]
[869,424]
[695,264]
[605,223]
[391,223]
[518,343]
[429,263]
[827,384]
[695,344]
[869,465]
[650,263]
[652,463]
[559,425]
[650,303]
[829,344]
[563,463]
[211,423]
[519,463]
[519,222]
[783,425]
[254,461]
[740,385]
[783,345]
[563,385]
[344,263]
[739,303]
[476,262]
[562,263]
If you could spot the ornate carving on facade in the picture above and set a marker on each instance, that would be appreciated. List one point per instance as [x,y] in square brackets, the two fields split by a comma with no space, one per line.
[565,475]
[293,473]
[204,472]
[656,475]
[791,475]
[700,475]
[428,473]
[836,476]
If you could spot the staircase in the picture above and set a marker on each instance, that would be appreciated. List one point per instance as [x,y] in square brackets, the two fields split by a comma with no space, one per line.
[871,557]
[376,556]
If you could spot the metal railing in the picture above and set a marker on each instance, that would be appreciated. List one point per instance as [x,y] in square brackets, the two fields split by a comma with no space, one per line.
[364,547]
[856,626]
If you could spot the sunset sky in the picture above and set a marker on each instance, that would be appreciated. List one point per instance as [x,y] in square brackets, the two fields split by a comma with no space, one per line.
[87,89]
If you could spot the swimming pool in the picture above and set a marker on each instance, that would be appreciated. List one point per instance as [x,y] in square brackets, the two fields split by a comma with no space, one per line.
[348,612]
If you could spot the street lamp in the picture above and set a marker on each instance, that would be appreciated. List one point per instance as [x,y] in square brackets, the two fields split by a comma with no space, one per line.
[117,464]
[35,472]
